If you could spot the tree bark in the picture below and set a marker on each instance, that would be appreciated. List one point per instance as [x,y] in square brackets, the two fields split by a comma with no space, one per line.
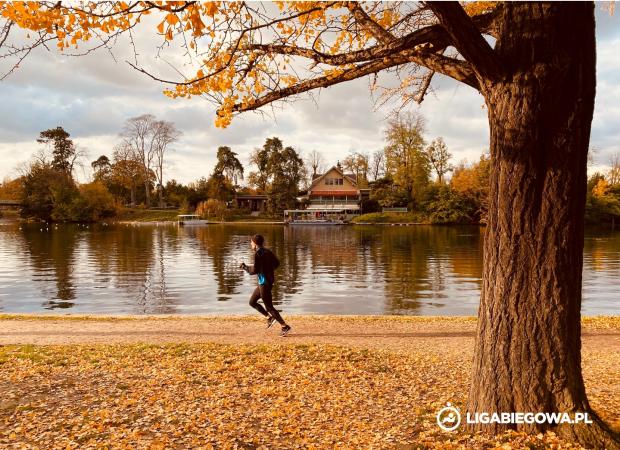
[528,351]
[147,192]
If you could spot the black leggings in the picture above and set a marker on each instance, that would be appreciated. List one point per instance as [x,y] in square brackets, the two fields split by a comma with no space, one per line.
[264,291]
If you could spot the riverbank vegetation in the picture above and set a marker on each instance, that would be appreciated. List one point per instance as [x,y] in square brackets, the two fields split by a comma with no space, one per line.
[407,173]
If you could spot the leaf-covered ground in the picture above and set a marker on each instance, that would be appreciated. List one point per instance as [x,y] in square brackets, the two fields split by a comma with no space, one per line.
[277,395]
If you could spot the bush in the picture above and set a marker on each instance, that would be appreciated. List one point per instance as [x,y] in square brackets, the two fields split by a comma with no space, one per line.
[443,205]
[370,205]
[213,209]
[94,203]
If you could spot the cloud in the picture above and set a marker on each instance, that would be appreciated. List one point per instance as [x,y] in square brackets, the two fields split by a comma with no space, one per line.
[92,96]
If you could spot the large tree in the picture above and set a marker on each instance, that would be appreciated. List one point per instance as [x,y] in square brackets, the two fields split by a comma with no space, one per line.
[405,160]
[229,165]
[279,171]
[534,65]
[63,149]
[138,138]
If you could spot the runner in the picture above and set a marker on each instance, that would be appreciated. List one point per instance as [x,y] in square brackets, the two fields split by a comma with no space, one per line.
[265,262]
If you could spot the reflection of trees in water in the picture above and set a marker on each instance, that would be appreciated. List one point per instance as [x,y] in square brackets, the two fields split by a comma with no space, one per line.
[132,258]
[53,249]
[414,263]
[403,266]
[133,248]
[215,243]
[327,247]
[602,250]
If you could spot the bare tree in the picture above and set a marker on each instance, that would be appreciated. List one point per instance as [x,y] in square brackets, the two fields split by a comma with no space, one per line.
[377,165]
[613,177]
[439,157]
[138,135]
[315,162]
[164,134]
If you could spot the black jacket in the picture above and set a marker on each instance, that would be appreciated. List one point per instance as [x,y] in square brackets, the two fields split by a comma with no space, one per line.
[265,262]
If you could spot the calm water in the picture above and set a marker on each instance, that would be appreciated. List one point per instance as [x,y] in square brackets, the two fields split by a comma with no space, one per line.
[144,269]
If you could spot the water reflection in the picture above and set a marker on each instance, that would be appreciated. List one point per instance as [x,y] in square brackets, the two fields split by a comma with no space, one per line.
[328,270]
[52,258]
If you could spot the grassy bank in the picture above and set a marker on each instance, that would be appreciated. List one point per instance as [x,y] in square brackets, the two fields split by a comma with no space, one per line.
[150,215]
[147,215]
[391,218]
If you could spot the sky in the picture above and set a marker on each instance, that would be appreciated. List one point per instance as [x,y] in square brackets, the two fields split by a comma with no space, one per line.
[92,96]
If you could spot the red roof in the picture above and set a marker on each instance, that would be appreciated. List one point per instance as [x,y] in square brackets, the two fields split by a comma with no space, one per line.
[335,193]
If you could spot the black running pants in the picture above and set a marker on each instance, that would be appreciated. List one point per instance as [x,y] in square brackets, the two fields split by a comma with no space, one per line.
[264,291]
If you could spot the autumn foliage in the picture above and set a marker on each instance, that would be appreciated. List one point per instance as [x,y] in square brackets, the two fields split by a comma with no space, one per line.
[245,55]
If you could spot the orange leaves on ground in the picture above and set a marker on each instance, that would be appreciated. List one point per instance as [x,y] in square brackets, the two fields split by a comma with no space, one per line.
[270,396]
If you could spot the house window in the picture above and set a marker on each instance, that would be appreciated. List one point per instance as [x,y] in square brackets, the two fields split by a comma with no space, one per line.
[334,181]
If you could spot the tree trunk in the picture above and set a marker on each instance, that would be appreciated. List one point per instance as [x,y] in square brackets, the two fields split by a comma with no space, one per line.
[528,349]
[147,194]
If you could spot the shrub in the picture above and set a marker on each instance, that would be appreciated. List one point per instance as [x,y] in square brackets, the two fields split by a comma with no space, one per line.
[213,209]
[93,203]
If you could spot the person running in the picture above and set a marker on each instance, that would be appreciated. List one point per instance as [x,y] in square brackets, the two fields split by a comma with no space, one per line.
[265,262]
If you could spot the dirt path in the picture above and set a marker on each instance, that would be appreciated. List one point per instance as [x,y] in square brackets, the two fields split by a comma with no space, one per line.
[355,331]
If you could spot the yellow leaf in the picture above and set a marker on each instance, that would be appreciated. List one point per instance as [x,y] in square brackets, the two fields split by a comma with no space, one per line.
[172,19]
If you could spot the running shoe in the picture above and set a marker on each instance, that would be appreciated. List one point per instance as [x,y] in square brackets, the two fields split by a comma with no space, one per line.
[270,321]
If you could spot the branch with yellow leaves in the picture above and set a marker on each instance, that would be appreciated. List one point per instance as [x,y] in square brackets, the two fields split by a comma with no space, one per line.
[451,67]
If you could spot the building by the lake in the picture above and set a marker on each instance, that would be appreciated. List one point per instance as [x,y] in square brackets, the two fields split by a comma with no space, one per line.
[333,195]
[255,202]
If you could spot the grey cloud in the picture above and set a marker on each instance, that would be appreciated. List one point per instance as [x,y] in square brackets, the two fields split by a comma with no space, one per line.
[92,96]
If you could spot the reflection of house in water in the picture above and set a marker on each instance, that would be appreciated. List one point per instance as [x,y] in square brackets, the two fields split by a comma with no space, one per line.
[252,202]
[332,196]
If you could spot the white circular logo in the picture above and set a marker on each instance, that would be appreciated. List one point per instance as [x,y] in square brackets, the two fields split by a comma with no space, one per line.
[448,418]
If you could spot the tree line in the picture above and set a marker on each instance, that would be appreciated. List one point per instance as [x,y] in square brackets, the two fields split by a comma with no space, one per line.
[407,172]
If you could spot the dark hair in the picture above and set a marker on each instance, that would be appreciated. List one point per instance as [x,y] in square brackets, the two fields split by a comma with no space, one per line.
[258,240]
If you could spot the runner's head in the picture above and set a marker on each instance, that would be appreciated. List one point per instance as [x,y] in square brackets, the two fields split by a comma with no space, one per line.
[257,241]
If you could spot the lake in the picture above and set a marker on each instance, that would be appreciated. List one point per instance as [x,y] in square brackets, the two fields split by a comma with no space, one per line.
[149,269]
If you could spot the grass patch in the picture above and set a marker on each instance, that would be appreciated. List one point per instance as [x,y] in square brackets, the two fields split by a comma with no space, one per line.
[147,215]
[391,218]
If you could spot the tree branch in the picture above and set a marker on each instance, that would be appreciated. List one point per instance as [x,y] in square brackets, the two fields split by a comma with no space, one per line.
[451,67]
[435,35]
[467,39]
[364,20]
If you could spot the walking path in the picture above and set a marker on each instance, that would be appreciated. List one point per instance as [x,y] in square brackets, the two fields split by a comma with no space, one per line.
[405,333]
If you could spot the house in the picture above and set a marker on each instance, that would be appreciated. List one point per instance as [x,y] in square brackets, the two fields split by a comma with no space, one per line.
[332,195]
[252,202]
[335,189]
